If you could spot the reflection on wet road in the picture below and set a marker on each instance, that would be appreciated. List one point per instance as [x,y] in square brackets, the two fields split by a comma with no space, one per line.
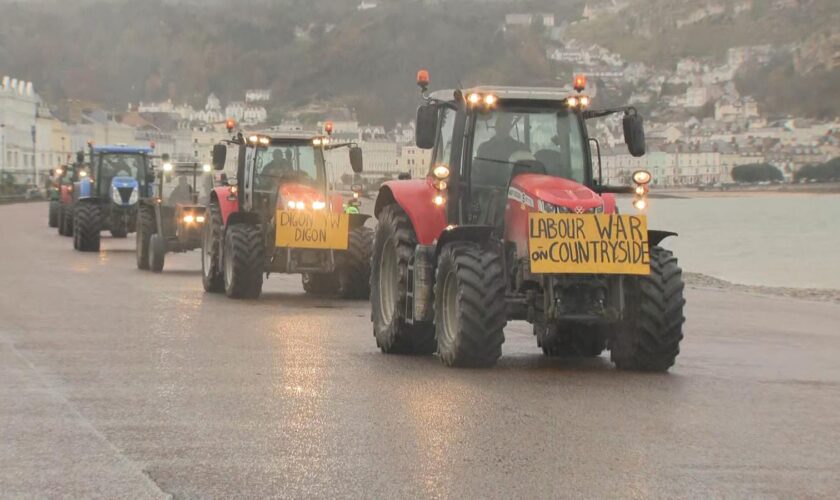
[117,382]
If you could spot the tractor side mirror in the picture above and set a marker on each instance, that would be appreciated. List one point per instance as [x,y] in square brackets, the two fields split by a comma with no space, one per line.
[634,134]
[427,116]
[164,157]
[356,159]
[219,156]
[80,157]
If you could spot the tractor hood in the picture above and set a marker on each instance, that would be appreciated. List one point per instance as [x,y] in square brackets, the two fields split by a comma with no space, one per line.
[124,190]
[557,191]
[300,196]
[124,182]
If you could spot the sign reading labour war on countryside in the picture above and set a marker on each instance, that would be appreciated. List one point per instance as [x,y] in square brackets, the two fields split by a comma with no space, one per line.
[588,244]
[306,229]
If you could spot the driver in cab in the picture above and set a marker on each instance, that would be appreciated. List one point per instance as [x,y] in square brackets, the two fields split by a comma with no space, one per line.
[278,167]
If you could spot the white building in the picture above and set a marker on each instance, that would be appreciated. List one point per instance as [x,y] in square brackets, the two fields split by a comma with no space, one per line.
[18,113]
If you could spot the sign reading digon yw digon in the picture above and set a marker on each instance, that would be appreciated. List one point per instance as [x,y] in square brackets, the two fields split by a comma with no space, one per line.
[588,244]
[312,229]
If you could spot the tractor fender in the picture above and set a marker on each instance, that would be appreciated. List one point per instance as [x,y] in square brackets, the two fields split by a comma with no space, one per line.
[655,237]
[475,233]
[415,198]
[221,194]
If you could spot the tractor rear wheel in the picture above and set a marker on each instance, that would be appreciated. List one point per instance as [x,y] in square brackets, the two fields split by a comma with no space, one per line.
[53,214]
[319,283]
[649,339]
[243,261]
[470,310]
[393,246]
[86,227]
[354,264]
[145,229]
[157,253]
[211,266]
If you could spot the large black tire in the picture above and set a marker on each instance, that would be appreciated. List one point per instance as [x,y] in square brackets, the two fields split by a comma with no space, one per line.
[65,221]
[145,229]
[393,246]
[243,261]
[211,263]
[53,214]
[319,283]
[470,309]
[157,253]
[649,339]
[353,265]
[86,227]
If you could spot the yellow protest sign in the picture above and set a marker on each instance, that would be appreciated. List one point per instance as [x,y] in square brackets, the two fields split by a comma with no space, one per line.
[588,244]
[311,229]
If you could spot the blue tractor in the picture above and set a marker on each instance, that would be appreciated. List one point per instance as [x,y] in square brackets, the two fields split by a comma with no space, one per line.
[106,197]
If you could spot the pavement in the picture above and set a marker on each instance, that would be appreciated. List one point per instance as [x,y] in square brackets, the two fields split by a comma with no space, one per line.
[121,383]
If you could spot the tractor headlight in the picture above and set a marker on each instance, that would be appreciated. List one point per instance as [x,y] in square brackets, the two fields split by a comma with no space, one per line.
[205,168]
[551,208]
[189,218]
[134,197]
[318,205]
[115,195]
[441,172]
[641,177]
[640,204]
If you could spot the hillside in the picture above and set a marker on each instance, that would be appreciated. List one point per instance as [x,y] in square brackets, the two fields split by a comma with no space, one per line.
[804,81]
[119,51]
[99,51]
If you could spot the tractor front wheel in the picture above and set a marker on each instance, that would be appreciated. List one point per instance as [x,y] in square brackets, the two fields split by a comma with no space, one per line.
[211,266]
[470,311]
[649,339]
[53,214]
[354,264]
[157,253]
[86,227]
[243,261]
[393,246]
[145,229]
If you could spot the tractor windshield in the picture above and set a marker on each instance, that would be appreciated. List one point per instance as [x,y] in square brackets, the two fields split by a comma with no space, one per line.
[186,184]
[540,140]
[280,163]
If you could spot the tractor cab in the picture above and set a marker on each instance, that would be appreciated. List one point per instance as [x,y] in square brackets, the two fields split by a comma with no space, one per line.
[121,174]
[287,172]
[183,189]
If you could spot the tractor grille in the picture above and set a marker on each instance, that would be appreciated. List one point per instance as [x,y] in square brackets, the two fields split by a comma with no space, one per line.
[125,193]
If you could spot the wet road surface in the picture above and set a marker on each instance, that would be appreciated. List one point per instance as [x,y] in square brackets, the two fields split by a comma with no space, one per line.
[121,383]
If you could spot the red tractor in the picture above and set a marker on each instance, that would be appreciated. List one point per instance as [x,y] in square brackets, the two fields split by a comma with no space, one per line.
[513,222]
[279,216]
